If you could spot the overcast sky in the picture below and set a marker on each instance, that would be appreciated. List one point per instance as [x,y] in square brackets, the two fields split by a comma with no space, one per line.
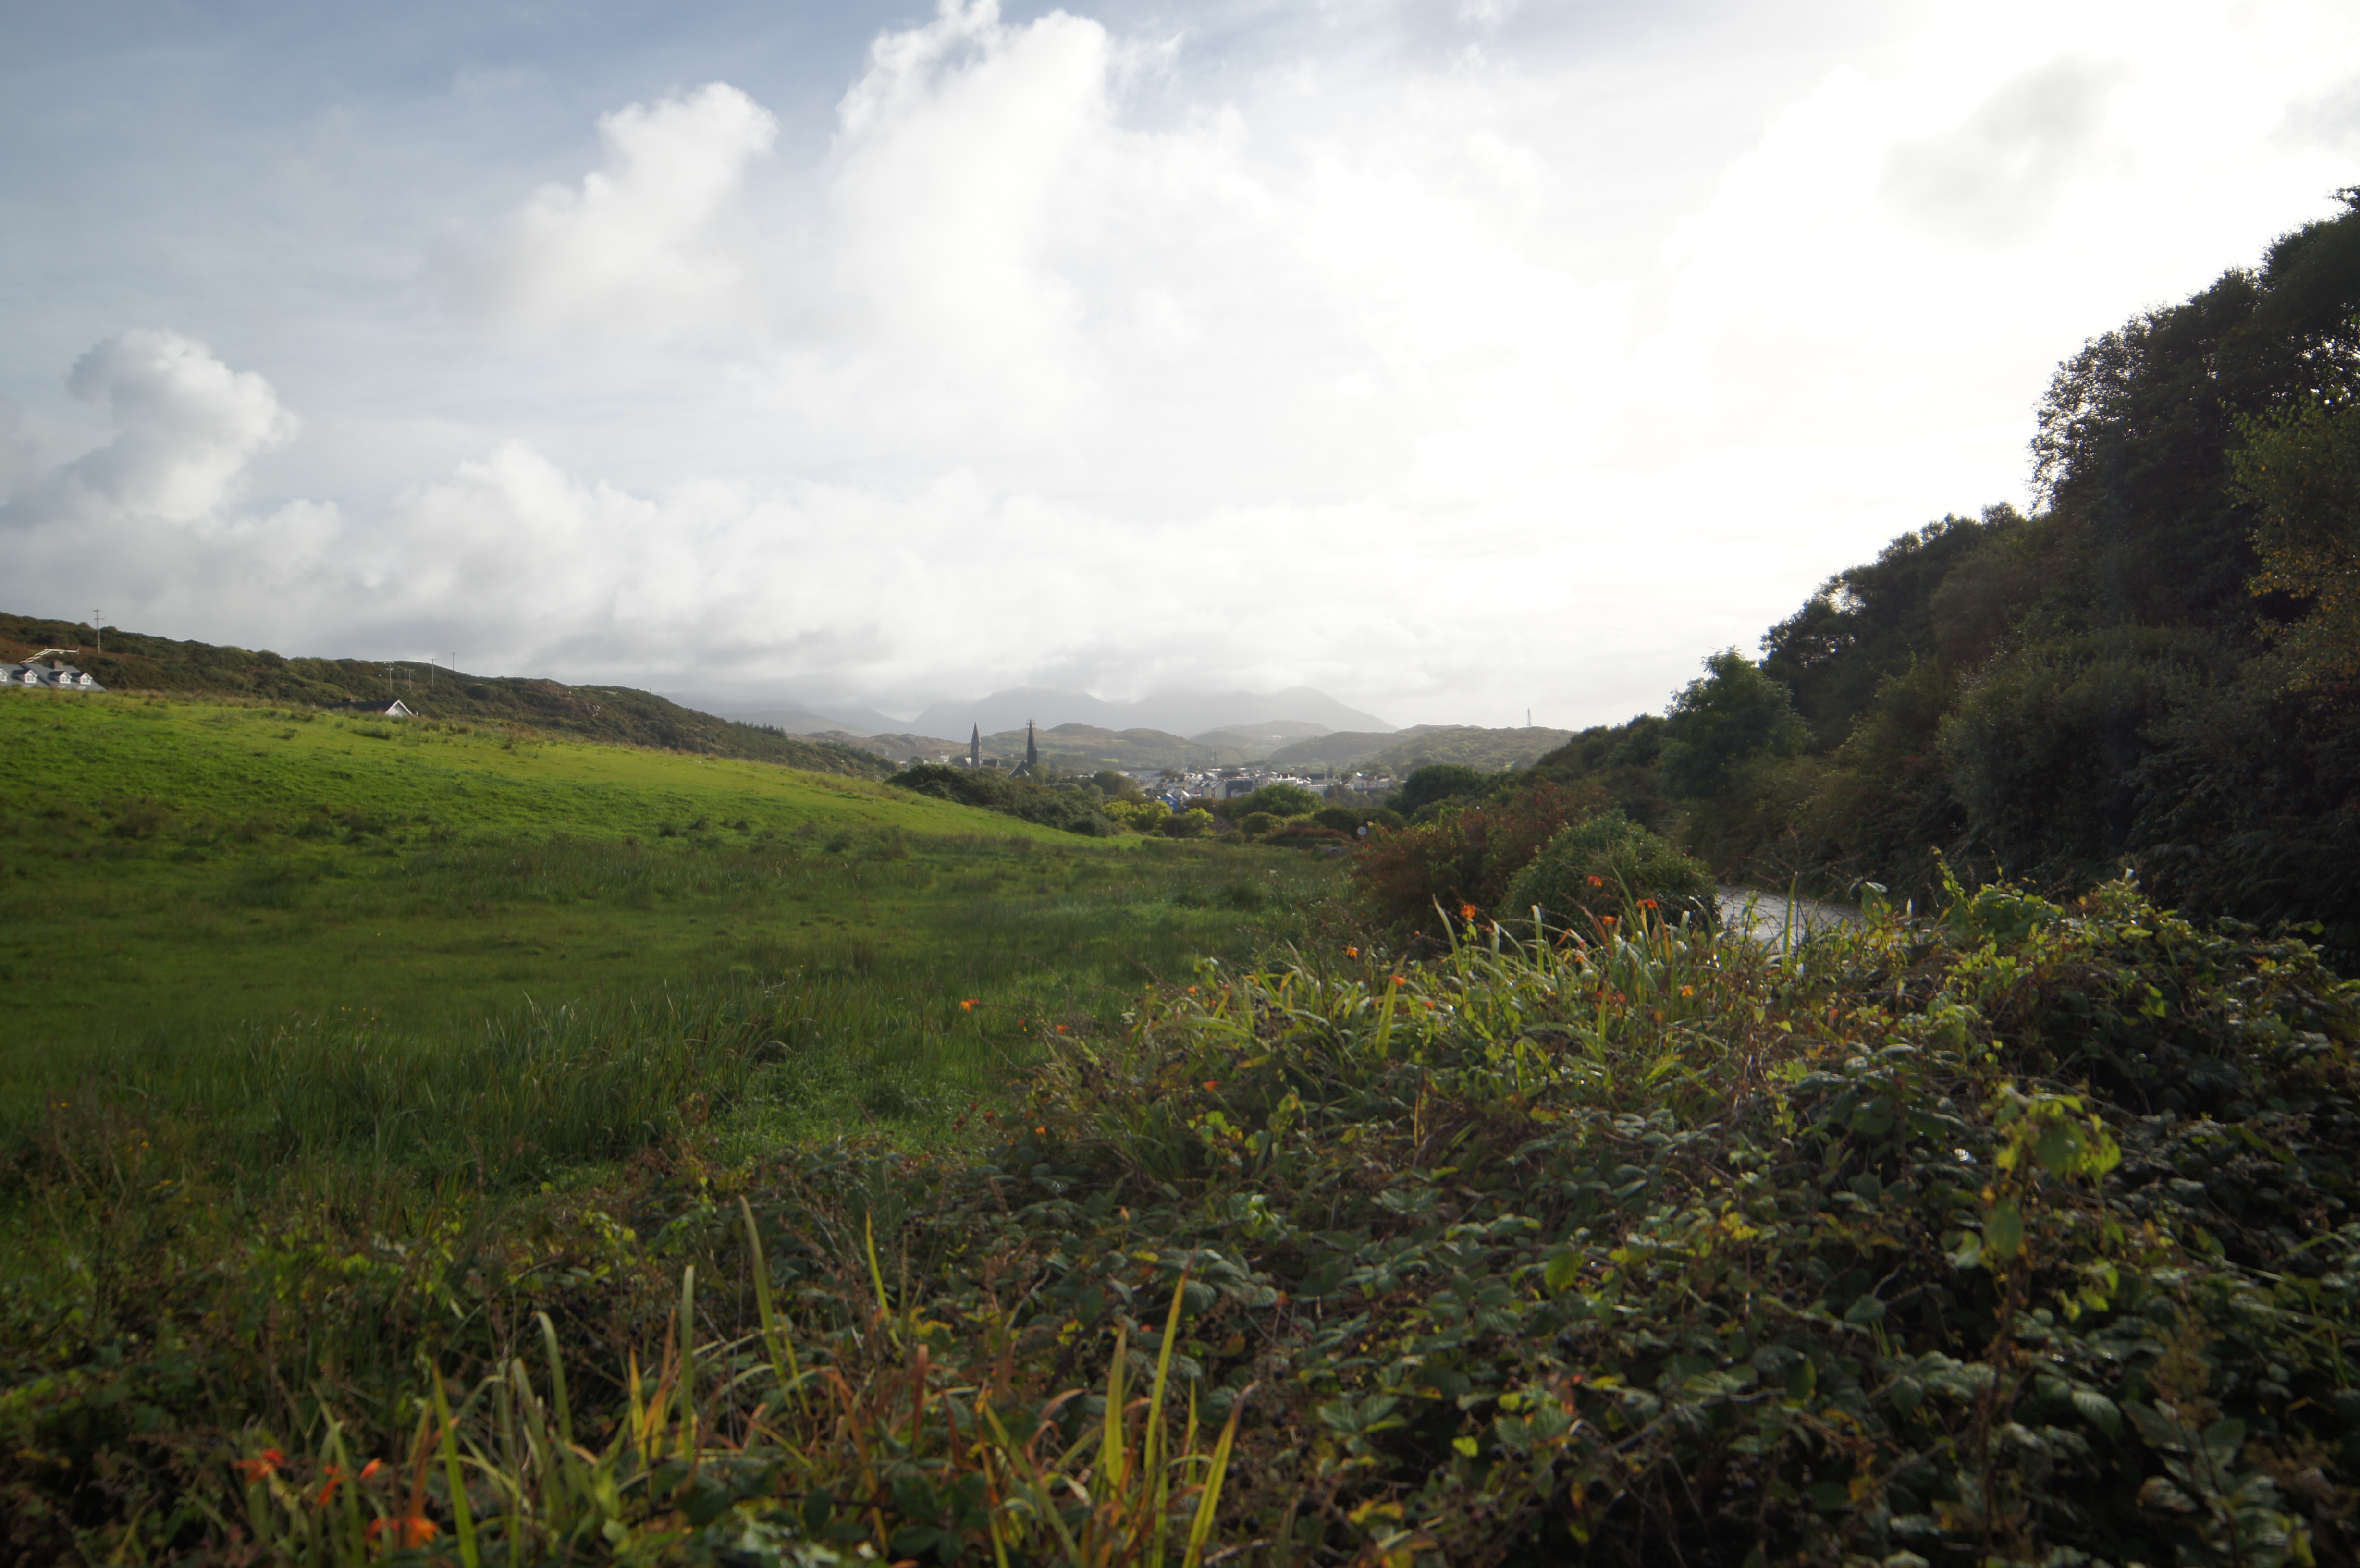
[1455,359]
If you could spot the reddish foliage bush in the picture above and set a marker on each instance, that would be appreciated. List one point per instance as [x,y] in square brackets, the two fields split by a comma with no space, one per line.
[1467,857]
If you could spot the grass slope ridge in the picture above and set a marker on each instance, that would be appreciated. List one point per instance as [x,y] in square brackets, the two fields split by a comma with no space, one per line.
[618,714]
[172,869]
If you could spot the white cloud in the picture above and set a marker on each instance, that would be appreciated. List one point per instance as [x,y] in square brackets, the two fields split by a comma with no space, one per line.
[185,428]
[656,242]
[1446,382]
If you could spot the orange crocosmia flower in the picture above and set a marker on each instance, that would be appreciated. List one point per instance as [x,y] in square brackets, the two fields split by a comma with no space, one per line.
[1400,981]
[1212,1082]
[1061,1028]
[968,1006]
[1465,912]
[1192,990]
[415,1530]
[1606,920]
[369,1470]
[1351,953]
[1598,881]
[1647,903]
[262,1466]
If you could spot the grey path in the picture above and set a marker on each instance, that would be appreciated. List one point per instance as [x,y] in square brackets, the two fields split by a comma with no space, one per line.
[1768,916]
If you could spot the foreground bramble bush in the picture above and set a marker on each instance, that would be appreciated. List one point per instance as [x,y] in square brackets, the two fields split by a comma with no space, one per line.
[2018,1233]
[1594,867]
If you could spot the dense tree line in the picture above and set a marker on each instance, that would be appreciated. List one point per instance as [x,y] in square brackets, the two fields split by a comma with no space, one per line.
[2156,668]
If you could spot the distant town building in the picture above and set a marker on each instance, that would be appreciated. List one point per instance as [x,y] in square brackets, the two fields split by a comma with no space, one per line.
[395,709]
[51,677]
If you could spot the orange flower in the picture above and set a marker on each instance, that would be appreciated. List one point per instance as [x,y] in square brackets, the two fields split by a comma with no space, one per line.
[1465,912]
[1598,881]
[1688,990]
[1400,981]
[336,1480]
[262,1466]
[369,1470]
[1061,1028]
[1647,903]
[1212,1082]
[1192,990]
[415,1530]
[1606,920]
[1351,953]
[968,1006]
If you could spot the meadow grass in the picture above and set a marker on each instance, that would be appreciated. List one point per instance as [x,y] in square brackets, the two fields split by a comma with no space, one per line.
[301,938]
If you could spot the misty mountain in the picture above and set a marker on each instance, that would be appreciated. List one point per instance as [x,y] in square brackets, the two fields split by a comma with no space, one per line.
[1174,712]
[795,718]
[1258,741]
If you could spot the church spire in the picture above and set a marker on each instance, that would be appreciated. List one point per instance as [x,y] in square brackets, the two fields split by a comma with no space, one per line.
[975,748]
[1031,755]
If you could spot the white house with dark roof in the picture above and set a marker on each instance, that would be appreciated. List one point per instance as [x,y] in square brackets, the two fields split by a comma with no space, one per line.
[52,677]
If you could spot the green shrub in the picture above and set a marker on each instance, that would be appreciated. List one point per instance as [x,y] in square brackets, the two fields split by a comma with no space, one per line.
[1597,867]
[1194,823]
[1733,714]
[1434,783]
[1256,824]
[1138,815]
[1070,809]
[1467,855]
[1277,800]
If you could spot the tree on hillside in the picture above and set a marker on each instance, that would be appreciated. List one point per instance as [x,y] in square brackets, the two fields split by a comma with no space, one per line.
[1436,782]
[2134,434]
[1733,714]
[2299,470]
[1869,620]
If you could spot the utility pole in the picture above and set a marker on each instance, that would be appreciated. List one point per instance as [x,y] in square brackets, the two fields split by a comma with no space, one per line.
[98,628]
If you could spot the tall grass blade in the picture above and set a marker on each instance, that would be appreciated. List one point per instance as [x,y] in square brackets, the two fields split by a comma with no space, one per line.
[463,1516]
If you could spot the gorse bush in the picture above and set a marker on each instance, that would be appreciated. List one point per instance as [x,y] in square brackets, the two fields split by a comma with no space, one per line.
[2012,1234]
[1601,867]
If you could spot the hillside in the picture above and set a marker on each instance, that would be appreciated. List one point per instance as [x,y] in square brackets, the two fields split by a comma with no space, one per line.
[1086,748]
[1469,745]
[616,714]
[175,865]
[1344,749]
[1258,741]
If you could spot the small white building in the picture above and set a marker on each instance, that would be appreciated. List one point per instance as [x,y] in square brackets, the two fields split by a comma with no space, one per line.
[52,677]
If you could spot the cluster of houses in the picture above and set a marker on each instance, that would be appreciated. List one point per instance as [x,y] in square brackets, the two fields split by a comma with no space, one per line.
[54,676]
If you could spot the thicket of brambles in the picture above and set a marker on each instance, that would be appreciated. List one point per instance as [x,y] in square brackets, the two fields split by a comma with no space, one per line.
[2015,1233]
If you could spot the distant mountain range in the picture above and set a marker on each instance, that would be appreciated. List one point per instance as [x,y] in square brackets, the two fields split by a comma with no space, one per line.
[1174,713]
[848,718]
[1251,722]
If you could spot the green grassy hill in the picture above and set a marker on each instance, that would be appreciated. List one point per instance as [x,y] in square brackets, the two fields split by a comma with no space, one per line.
[1086,748]
[135,662]
[1469,745]
[173,871]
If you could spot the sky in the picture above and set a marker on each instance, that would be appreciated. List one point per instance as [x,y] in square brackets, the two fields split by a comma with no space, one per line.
[1457,359]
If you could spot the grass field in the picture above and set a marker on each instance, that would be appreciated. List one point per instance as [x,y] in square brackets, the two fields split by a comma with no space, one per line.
[198,897]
